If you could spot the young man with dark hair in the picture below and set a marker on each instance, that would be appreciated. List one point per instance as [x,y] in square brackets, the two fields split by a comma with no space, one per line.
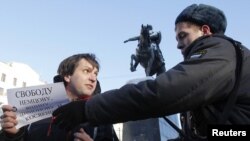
[79,74]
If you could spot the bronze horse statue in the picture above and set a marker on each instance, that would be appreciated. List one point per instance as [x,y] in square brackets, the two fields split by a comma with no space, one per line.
[148,52]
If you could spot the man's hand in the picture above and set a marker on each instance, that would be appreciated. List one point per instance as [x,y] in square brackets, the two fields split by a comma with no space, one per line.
[9,120]
[82,136]
[70,115]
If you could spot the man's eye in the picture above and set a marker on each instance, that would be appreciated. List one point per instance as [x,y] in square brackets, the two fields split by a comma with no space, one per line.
[182,36]
[96,74]
[85,71]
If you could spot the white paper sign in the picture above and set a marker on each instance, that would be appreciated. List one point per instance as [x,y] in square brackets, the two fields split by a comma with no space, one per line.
[36,102]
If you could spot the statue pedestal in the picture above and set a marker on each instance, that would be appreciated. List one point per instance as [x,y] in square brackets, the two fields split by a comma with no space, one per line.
[155,129]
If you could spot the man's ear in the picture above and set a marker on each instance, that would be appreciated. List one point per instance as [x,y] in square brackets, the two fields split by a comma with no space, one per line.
[206,30]
[67,78]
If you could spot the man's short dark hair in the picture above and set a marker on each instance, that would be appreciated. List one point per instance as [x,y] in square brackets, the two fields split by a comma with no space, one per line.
[68,65]
[204,15]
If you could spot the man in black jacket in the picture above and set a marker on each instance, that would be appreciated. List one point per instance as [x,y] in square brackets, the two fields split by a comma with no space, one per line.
[79,74]
[212,82]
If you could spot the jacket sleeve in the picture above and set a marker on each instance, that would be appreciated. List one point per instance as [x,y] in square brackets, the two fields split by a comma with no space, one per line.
[17,137]
[195,82]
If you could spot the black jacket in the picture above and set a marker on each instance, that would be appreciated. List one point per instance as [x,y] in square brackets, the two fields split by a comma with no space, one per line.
[38,131]
[201,84]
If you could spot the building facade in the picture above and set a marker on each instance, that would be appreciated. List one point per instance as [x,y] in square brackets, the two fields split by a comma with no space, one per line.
[16,75]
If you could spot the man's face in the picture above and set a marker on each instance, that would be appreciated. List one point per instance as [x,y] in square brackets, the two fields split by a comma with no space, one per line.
[84,79]
[186,33]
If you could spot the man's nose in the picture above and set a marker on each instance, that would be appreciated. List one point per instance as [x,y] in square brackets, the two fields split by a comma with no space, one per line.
[92,77]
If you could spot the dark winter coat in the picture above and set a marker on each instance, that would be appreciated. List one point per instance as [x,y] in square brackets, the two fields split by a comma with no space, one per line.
[200,84]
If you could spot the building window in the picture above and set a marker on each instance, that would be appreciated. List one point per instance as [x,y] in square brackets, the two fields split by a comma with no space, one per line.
[14,81]
[24,84]
[1,91]
[3,77]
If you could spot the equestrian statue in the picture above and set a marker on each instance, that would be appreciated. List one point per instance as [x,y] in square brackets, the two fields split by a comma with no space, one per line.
[148,53]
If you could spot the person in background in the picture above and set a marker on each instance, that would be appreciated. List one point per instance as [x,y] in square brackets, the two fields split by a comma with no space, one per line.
[210,86]
[79,74]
